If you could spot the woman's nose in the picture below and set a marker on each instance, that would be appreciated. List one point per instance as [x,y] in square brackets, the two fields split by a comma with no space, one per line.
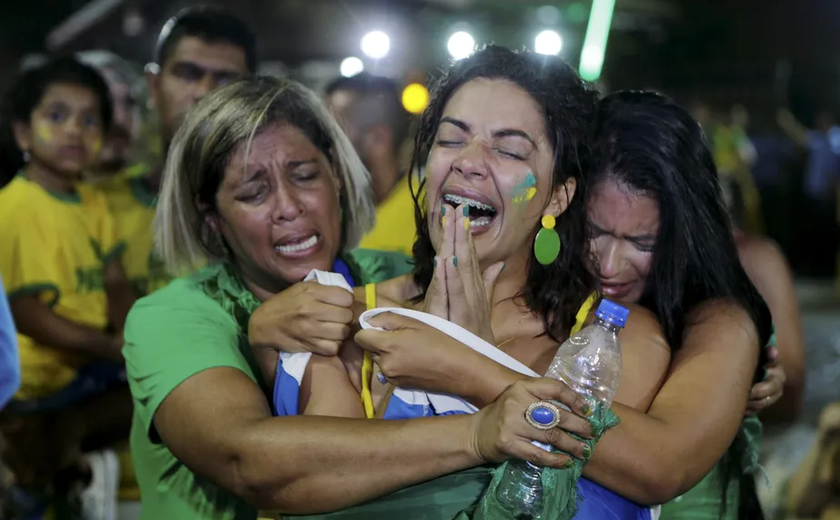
[472,160]
[287,206]
[609,260]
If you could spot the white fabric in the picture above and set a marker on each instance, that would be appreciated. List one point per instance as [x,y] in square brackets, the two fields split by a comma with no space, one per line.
[295,363]
[443,403]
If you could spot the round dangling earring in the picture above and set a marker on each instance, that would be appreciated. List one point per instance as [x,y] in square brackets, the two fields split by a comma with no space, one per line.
[26,156]
[547,243]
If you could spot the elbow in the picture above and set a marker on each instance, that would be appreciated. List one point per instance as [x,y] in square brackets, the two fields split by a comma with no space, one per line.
[250,481]
[661,485]
[661,481]
[270,487]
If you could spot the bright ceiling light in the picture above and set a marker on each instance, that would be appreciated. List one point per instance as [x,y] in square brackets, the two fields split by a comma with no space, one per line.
[376,44]
[460,45]
[548,42]
[351,66]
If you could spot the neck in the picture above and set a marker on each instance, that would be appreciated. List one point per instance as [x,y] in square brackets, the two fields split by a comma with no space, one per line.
[385,173]
[262,289]
[49,178]
[510,317]
[511,281]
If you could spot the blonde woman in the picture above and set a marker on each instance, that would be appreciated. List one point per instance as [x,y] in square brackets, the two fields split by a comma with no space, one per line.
[262,187]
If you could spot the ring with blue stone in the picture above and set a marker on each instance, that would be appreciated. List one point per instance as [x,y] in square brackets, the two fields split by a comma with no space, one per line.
[381,377]
[543,415]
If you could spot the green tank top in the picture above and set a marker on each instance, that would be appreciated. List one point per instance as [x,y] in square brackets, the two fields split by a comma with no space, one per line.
[704,501]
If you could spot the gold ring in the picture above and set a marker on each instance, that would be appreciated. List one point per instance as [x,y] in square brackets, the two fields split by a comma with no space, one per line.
[543,415]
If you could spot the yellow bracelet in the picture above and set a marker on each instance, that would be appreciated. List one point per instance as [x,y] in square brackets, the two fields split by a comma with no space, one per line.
[367,362]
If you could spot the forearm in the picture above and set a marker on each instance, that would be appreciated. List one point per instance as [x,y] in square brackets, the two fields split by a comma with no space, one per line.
[120,299]
[312,473]
[486,384]
[652,461]
[629,460]
[38,322]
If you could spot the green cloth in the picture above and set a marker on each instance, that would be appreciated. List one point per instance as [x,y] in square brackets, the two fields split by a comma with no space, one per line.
[194,324]
[470,494]
[703,501]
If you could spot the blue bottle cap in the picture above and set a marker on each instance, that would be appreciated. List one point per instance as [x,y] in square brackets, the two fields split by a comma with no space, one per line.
[612,312]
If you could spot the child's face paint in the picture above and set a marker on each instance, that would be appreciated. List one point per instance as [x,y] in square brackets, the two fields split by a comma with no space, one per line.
[525,190]
[43,131]
[66,131]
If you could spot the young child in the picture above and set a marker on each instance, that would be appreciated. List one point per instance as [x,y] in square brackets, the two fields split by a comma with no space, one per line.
[60,261]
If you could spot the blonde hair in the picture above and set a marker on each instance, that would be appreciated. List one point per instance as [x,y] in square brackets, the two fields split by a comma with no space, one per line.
[209,136]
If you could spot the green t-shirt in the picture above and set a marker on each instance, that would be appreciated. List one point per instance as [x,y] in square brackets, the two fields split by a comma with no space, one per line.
[194,324]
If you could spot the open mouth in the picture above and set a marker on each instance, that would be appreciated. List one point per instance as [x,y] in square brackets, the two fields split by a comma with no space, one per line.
[298,245]
[481,214]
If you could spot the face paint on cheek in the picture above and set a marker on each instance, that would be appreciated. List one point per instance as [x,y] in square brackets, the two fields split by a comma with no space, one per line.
[525,190]
[97,147]
[43,133]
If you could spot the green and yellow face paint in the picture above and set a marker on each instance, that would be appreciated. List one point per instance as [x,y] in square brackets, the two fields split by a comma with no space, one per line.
[525,190]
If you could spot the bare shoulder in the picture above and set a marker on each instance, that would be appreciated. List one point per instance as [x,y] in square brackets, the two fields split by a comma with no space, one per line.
[761,257]
[642,325]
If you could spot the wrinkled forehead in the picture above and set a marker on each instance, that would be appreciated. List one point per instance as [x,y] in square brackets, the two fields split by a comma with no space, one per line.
[615,207]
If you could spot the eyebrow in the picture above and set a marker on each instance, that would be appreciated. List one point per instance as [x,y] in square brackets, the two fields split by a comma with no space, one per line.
[632,238]
[295,164]
[498,134]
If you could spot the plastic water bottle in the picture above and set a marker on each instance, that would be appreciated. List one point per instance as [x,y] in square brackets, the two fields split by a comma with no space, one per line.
[589,362]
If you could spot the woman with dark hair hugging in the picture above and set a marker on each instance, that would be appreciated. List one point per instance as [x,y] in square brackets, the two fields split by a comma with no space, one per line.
[662,238]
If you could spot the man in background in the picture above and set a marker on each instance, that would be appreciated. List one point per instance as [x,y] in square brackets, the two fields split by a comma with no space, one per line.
[198,50]
[370,111]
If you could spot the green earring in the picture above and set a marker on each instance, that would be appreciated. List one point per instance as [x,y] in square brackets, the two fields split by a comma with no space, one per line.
[547,243]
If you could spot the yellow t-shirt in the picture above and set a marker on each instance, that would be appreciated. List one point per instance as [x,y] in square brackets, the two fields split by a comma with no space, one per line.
[395,229]
[56,246]
[133,208]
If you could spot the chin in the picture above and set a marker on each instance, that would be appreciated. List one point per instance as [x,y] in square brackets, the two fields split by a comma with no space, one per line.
[70,171]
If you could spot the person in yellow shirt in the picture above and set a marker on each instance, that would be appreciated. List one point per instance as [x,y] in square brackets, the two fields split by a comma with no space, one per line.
[132,203]
[60,258]
[369,110]
[198,49]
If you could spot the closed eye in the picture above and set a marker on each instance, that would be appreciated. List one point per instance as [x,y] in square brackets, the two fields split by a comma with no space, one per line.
[252,195]
[305,176]
[507,153]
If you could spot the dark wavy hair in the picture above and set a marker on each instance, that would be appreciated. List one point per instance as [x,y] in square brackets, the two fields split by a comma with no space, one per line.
[26,93]
[651,146]
[567,105]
